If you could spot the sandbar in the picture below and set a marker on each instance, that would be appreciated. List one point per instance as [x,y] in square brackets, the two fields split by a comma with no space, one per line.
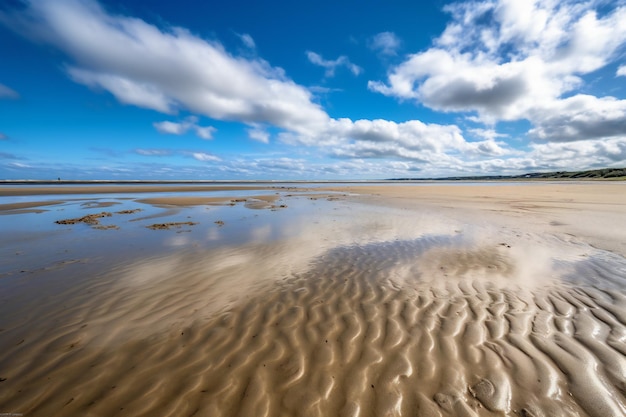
[118,189]
[202,200]
[24,206]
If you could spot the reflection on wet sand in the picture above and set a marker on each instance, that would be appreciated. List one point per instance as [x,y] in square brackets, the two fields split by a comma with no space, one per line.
[335,308]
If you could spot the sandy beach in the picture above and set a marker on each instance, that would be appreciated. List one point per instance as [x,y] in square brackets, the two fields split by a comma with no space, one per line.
[355,300]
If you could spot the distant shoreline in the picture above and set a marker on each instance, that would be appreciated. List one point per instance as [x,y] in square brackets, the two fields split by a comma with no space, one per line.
[176,182]
[608,174]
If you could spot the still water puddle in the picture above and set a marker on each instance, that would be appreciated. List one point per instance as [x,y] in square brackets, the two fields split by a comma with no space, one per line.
[279,241]
[31,241]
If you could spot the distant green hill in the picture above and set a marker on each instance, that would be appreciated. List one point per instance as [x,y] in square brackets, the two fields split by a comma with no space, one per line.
[596,173]
[606,173]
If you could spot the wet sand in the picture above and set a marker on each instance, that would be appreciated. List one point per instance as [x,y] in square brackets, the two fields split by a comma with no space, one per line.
[26,207]
[119,189]
[261,200]
[390,301]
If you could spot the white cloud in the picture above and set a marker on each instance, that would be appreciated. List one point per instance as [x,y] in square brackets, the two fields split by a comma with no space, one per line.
[281,164]
[387,43]
[145,66]
[18,165]
[153,152]
[135,92]
[499,60]
[489,134]
[247,40]
[190,123]
[504,59]
[300,168]
[579,117]
[171,128]
[205,157]
[168,70]
[621,71]
[585,152]
[197,155]
[6,92]
[205,132]
[259,134]
[487,147]
[318,89]
[383,139]
[331,66]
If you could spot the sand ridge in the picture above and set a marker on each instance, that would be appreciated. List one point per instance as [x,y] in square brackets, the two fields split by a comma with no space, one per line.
[26,207]
[345,336]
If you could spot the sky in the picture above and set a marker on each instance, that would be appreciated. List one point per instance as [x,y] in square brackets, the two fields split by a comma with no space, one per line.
[324,90]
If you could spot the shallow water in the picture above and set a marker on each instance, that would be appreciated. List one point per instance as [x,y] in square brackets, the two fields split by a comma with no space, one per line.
[320,308]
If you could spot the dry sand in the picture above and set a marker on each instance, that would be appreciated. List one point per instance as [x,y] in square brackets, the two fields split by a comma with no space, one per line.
[465,301]
[591,211]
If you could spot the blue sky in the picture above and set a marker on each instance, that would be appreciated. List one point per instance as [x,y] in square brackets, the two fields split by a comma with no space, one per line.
[309,90]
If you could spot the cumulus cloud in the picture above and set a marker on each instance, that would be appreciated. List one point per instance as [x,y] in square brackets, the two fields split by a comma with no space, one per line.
[298,168]
[332,65]
[205,132]
[190,123]
[497,60]
[557,157]
[169,70]
[170,128]
[386,43]
[165,70]
[621,71]
[382,139]
[489,134]
[587,153]
[259,134]
[553,157]
[504,59]
[6,92]
[580,117]
[487,147]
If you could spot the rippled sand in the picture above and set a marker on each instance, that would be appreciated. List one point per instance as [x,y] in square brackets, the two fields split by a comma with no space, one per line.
[356,309]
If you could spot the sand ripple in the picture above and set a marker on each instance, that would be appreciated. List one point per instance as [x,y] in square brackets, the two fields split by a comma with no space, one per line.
[413,328]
